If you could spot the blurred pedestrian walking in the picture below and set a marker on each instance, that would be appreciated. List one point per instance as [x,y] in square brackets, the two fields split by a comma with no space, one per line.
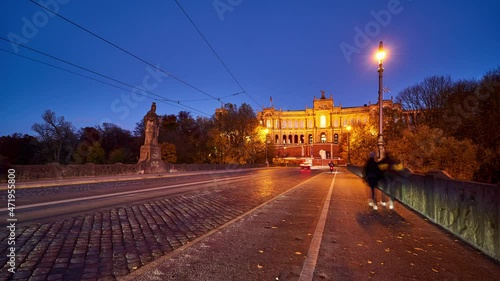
[372,174]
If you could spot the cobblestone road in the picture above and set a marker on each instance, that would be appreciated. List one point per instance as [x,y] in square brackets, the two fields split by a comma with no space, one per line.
[111,243]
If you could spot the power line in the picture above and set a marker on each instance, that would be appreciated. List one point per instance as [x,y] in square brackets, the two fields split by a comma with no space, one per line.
[123,50]
[235,94]
[96,73]
[215,53]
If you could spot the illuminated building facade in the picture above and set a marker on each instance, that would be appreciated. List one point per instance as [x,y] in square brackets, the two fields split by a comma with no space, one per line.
[314,132]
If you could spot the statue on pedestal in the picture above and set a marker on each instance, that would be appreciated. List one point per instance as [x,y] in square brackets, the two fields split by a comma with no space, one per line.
[151,126]
[150,158]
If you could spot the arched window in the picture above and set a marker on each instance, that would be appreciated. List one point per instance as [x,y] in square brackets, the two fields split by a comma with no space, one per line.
[276,139]
[289,138]
[268,123]
[284,139]
[310,138]
[301,138]
[296,139]
[323,138]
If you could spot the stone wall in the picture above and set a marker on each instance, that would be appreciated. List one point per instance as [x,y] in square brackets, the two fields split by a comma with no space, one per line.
[469,210]
[208,167]
[57,171]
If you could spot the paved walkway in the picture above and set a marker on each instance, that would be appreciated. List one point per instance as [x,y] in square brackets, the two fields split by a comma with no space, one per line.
[323,229]
[107,243]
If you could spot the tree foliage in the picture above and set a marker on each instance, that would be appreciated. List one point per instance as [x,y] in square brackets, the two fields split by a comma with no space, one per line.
[112,138]
[361,140]
[20,149]
[235,136]
[88,136]
[96,154]
[119,155]
[466,112]
[57,137]
[424,149]
[429,96]
[168,152]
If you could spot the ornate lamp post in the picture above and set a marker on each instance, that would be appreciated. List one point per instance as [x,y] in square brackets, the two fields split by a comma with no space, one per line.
[266,132]
[348,145]
[380,142]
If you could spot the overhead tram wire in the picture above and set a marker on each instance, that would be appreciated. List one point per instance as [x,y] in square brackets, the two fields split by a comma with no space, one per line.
[235,94]
[215,53]
[171,103]
[125,51]
[97,73]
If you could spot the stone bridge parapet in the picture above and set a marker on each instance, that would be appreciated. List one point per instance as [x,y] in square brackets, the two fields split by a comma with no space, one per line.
[469,210]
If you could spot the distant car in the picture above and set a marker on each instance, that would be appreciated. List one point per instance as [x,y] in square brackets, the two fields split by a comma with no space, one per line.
[307,164]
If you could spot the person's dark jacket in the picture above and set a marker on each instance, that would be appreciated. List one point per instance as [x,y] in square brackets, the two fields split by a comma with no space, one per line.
[372,172]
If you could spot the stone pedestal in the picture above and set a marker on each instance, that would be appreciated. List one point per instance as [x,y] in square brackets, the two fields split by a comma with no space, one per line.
[150,159]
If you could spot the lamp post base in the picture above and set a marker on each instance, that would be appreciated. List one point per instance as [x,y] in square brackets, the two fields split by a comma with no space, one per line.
[381,148]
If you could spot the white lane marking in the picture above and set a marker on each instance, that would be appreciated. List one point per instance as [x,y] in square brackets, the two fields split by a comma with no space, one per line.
[120,193]
[307,272]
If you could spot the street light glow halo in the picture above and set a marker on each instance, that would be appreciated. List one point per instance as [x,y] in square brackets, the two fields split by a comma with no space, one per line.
[380,55]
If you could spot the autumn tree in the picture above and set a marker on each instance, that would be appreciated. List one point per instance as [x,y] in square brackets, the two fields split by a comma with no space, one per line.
[114,138]
[363,136]
[120,155]
[361,141]
[96,154]
[235,135]
[423,149]
[203,149]
[182,135]
[486,103]
[57,137]
[427,100]
[466,110]
[168,152]
[87,137]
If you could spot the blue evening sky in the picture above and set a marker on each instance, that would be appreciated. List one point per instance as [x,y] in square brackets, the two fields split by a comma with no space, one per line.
[289,50]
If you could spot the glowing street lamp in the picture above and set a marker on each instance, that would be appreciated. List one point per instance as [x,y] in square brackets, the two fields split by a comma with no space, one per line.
[380,56]
[348,145]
